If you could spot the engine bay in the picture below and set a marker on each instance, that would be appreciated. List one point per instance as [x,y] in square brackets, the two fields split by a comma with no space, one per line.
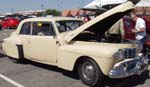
[96,37]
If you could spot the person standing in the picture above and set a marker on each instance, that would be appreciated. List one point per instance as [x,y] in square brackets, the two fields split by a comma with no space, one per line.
[139,29]
[86,18]
[116,32]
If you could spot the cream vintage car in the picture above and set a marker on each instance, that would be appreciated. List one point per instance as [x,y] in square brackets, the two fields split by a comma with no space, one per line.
[69,44]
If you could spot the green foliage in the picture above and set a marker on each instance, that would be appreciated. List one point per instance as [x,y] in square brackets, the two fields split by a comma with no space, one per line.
[52,12]
[39,14]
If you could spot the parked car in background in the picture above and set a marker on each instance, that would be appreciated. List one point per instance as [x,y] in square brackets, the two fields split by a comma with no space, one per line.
[10,23]
[147,20]
[1,18]
[22,17]
[147,42]
[69,44]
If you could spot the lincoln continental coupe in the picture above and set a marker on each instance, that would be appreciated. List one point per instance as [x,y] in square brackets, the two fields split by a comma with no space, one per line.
[71,45]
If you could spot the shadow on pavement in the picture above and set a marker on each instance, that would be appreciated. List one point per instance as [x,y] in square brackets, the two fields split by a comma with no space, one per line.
[126,82]
[2,55]
[107,82]
[55,69]
[137,80]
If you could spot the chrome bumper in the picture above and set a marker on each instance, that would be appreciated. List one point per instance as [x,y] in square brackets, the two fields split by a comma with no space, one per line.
[129,67]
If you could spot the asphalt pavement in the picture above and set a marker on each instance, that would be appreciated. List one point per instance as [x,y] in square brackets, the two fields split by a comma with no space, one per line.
[32,74]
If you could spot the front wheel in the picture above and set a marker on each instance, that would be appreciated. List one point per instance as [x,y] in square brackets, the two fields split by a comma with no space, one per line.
[90,73]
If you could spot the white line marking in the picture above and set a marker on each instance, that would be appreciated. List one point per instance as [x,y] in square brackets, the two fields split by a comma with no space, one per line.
[11,81]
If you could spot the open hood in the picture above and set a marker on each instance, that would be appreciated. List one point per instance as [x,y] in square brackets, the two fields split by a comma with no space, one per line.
[103,22]
[102,4]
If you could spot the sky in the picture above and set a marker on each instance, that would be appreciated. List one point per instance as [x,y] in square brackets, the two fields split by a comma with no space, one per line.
[28,5]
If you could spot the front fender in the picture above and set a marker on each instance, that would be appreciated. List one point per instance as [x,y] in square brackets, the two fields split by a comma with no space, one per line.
[67,59]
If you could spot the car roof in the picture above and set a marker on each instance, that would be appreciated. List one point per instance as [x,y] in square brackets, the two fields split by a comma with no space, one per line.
[50,19]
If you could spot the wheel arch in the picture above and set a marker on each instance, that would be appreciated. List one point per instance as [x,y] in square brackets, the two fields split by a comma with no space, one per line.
[93,79]
[80,60]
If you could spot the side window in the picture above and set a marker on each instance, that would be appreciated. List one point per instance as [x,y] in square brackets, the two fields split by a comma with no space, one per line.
[26,27]
[42,29]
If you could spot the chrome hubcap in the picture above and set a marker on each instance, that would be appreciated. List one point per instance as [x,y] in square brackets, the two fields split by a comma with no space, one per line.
[88,71]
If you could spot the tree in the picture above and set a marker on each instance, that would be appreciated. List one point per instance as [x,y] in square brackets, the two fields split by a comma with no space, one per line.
[52,12]
[39,14]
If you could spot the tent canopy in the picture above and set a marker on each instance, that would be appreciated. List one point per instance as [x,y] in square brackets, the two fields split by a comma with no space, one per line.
[99,4]
[143,3]
[103,5]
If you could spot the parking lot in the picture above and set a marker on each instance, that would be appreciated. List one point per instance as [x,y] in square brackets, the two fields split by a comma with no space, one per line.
[33,74]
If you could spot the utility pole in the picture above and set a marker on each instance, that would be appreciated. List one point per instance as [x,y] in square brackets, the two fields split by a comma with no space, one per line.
[42,6]
[12,10]
[60,5]
[83,2]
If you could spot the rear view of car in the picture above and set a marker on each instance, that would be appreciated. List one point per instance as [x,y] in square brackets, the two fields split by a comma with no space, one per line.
[10,23]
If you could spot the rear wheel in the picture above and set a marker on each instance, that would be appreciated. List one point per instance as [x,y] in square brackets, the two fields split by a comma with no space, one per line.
[89,72]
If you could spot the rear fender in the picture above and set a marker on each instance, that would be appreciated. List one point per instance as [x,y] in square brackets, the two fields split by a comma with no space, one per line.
[11,47]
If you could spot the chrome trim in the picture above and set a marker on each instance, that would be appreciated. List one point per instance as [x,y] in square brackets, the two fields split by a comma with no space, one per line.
[129,67]
[88,71]
[130,52]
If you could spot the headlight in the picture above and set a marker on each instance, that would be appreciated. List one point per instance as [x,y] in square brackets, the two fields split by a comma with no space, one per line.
[126,53]
[119,54]
[120,67]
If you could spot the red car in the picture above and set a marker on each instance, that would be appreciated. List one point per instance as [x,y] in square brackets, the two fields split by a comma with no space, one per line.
[10,23]
[1,18]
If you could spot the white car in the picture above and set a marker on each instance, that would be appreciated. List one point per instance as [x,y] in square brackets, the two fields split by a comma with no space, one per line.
[69,44]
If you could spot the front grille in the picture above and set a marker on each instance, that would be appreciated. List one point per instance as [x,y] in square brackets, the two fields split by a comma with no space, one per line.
[130,52]
[131,64]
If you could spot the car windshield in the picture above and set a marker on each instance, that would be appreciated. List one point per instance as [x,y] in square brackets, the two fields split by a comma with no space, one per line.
[68,25]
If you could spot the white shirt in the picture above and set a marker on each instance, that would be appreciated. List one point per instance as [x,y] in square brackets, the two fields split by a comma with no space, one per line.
[140,23]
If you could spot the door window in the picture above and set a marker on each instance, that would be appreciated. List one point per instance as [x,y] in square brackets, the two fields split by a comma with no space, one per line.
[25,30]
[43,29]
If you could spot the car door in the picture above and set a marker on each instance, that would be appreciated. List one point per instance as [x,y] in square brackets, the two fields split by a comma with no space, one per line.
[25,35]
[42,43]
